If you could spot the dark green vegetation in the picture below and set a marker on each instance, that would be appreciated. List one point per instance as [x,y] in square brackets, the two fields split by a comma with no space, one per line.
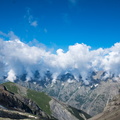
[40,98]
[11,87]
[78,113]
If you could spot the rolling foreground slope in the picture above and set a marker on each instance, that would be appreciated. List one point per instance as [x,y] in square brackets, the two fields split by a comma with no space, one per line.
[37,104]
[111,111]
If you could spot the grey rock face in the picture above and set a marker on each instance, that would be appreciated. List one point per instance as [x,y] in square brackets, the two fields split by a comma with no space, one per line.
[60,111]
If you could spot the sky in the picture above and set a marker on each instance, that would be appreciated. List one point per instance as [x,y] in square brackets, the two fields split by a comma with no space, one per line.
[60,23]
[75,36]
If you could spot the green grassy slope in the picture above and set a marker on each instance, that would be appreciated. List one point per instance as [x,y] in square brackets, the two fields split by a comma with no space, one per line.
[40,98]
[11,87]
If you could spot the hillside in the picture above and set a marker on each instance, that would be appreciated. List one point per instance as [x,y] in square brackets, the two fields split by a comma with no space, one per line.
[38,101]
[40,98]
[11,101]
[111,111]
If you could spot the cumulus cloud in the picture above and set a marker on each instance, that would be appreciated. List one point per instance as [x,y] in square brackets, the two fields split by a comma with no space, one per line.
[111,62]
[11,76]
[17,58]
[1,59]
[10,35]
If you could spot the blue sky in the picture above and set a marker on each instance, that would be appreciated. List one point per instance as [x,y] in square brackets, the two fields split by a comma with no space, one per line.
[60,23]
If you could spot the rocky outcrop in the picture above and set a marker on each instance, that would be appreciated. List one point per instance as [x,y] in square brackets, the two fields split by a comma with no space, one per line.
[17,102]
[10,114]
[60,111]
[65,112]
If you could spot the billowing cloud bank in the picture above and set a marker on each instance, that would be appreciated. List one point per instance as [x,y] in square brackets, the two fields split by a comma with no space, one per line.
[17,58]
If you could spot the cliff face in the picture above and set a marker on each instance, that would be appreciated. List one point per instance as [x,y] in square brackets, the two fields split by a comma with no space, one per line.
[111,111]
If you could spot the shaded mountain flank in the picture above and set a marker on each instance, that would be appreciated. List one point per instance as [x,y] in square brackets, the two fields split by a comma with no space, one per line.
[16,100]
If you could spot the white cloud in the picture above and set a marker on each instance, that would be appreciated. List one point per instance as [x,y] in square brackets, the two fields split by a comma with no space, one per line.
[10,35]
[17,58]
[11,76]
[3,34]
[34,24]
[31,20]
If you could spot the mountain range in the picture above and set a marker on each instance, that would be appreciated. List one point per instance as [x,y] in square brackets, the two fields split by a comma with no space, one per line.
[91,98]
[68,91]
